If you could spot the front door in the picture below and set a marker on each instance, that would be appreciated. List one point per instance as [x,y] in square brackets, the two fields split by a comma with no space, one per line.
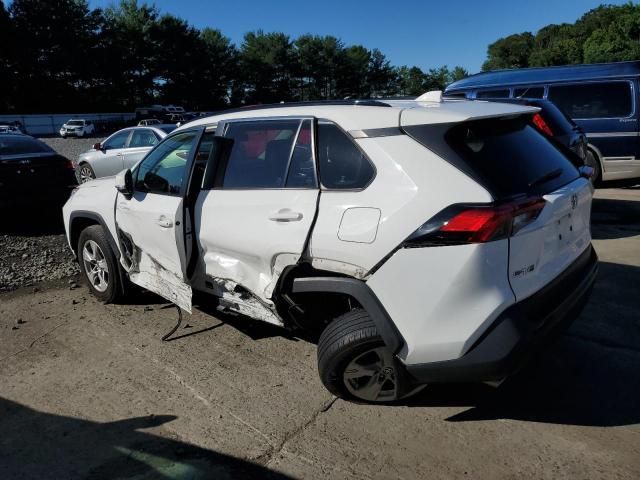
[256,219]
[152,223]
[110,159]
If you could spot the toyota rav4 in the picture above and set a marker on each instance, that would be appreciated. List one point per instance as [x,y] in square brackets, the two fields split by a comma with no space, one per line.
[426,241]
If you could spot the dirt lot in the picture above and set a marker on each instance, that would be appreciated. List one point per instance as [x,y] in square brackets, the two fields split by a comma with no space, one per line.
[88,390]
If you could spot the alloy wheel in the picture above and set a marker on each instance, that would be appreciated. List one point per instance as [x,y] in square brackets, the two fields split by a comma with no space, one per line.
[95,266]
[371,376]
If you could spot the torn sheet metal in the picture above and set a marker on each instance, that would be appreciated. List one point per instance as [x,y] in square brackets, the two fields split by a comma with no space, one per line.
[339,267]
[238,299]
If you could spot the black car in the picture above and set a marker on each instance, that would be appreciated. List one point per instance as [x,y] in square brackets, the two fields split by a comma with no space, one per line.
[31,173]
[554,123]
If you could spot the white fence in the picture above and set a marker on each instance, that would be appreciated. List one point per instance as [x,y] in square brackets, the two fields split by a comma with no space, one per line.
[50,124]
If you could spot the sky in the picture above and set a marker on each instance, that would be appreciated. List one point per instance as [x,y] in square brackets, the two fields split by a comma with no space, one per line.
[424,33]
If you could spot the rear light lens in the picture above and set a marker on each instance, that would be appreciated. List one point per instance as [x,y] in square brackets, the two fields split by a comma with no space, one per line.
[464,224]
[541,125]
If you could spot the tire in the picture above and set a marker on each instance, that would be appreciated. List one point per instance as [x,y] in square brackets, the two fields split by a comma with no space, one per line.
[592,161]
[99,266]
[354,363]
[85,173]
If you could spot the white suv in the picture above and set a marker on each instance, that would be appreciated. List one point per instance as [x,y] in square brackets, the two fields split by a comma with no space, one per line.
[77,128]
[424,241]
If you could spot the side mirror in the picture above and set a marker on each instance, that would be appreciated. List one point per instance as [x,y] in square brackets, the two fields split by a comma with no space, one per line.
[586,171]
[218,155]
[124,183]
[97,146]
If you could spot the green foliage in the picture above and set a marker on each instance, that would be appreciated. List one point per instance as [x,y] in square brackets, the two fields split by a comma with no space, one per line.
[607,33]
[130,55]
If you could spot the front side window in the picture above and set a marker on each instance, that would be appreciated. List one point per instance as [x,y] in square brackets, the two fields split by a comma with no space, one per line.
[260,154]
[163,170]
[342,164]
[504,93]
[593,100]
[119,140]
[142,137]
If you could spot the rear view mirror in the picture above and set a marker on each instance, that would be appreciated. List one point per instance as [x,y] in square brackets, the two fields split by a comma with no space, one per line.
[218,157]
[124,183]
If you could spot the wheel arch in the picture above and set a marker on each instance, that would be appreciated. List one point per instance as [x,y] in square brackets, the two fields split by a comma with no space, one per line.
[598,154]
[360,291]
[79,220]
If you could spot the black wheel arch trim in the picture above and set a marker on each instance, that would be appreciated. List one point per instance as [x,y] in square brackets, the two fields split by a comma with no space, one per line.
[96,217]
[359,290]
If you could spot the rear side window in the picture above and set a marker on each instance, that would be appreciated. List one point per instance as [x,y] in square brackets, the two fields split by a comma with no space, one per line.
[342,164]
[17,145]
[502,93]
[143,137]
[593,100]
[508,156]
[528,92]
[260,154]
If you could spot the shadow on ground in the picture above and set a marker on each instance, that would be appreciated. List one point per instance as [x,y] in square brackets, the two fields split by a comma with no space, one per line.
[613,218]
[36,444]
[32,221]
[589,376]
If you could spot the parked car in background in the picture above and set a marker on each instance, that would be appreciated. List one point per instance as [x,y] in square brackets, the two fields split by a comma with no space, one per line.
[601,98]
[436,241]
[31,173]
[554,123]
[148,122]
[121,150]
[6,128]
[77,128]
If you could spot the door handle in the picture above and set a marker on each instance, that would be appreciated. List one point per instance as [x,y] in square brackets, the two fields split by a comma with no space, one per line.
[285,215]
[164,222]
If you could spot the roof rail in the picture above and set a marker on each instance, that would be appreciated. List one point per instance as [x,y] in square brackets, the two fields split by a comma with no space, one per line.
[312,103]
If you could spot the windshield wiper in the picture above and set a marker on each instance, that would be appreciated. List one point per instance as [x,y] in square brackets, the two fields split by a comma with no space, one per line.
[546,177]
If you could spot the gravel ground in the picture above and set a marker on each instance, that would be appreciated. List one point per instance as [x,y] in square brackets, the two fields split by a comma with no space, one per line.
[33,248]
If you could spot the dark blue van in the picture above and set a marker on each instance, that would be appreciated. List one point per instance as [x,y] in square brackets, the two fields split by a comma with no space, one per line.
[600,98]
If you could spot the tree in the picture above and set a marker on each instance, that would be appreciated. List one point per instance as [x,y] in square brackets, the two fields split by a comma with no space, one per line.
[509,52]
[266,67]
[381,77]
[50,38]
[410,81]
[6,61]
[352,72]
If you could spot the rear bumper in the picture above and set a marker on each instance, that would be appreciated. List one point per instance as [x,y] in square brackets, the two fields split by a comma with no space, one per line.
[520,330]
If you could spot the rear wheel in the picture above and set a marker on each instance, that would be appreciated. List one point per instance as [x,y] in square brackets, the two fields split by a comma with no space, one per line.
[354,362]
[592,161]
[86,173]
[99,265]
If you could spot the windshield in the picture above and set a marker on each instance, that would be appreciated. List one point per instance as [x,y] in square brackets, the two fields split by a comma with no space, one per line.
[16,145]
[75,122]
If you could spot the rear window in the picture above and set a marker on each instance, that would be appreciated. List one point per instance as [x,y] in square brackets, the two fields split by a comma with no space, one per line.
[503,93]
[508,156]
[593,100]
[16,145]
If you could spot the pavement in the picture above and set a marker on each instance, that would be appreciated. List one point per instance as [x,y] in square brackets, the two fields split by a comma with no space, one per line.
[91,391]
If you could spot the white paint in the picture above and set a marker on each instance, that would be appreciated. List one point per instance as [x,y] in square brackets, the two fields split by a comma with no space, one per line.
[239,241]
[543,249]
[359,224]
[443,298]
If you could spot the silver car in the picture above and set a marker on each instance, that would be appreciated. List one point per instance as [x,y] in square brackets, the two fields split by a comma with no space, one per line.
[121,150]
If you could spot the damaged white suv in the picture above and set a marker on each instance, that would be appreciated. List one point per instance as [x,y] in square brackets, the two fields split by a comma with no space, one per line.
[428,241]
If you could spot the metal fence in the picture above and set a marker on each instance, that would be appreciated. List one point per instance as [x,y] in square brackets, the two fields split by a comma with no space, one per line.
[50,124]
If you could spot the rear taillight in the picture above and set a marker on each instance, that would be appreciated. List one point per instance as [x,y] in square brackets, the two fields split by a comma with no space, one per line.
[462,224]
[541,125]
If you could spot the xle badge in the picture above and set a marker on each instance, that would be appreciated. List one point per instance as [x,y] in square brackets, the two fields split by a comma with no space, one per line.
[524,271]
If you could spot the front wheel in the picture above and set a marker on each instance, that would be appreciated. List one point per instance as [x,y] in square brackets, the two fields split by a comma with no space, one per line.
[85,173]
[99,265]
[354,362]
